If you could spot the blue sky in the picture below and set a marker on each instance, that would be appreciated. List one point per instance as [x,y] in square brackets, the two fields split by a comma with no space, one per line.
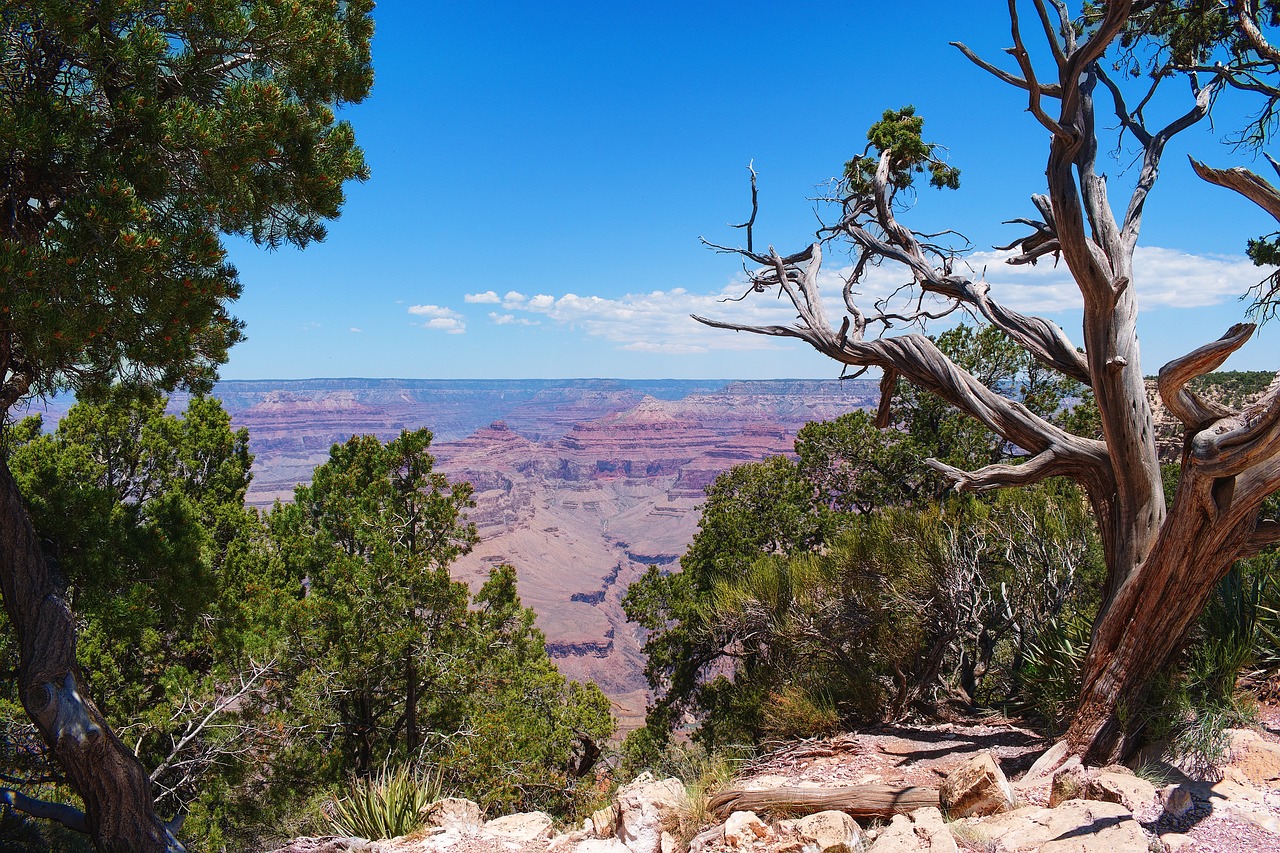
[541,174]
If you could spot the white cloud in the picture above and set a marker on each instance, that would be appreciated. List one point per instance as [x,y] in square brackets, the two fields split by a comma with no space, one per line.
[1162,278]
[449,325]
[442,319]
[355,329]
[509,319]
[659,321]
[487,297]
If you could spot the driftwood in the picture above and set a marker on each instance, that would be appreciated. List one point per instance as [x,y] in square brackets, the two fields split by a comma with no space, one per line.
[868,801]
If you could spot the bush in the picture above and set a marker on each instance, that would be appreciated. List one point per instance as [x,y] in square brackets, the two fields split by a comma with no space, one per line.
[1051,670]
[386,805]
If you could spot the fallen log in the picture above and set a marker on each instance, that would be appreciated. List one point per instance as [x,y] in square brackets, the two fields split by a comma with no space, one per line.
[866,801]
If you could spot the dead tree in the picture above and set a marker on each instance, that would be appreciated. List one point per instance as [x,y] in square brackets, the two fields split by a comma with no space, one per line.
[1162,561]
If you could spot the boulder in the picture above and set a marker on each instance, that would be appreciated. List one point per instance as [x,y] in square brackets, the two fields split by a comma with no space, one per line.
[1252,760]
[646,810]
[1077,826]
[453,811]
[1176,800]
[1114,784]
[829,831]
[1120,785]
[743,829]
[977,787]
[1069,783]
[603,820]
[526,826]
[922,830]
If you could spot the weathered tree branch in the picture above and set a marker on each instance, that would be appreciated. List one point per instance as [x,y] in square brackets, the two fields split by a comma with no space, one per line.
[1049,90]
[1035,470]
[1185,405]
[1244,181]
[1241,441]
[1265,534]
[69,816]
[195,728]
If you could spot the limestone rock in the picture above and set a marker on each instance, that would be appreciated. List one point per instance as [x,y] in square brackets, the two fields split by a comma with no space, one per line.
[526,826]
[1069,783]
[830,831]
[1077,826]
[708,839]
[646,809]
[1252,760]
[603,820]
[1120,785]
[453,811]
[922,830]
[1176,800]
[600,845]
[325,845]
[977,787]
[743,829]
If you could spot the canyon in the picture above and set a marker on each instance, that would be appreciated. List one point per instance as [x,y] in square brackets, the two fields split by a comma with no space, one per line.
[579,484]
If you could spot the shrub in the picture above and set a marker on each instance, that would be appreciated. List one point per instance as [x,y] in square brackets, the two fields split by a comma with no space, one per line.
[385,805]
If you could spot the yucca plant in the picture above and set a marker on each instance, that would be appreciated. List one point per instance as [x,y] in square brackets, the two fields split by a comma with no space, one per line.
[385,805]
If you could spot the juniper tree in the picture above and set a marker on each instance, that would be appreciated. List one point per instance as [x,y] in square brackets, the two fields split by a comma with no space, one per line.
[1163,557]
[135,134]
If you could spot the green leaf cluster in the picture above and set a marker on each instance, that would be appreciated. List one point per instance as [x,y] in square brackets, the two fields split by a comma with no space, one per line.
[359,650]
[395,663]
[899,132]
[136,135]
[845,584]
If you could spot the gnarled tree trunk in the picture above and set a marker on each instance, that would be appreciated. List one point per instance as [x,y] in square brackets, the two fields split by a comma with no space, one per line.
[1161,565]
[119,812]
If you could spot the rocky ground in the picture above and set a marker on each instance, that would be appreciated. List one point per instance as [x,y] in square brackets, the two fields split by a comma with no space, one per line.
[961,770]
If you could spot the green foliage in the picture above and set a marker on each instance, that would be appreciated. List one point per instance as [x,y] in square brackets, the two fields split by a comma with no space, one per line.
[394,662]
[832,586]
[385,805]
[144,513]
[899,132]
[1054,659]
[136,137]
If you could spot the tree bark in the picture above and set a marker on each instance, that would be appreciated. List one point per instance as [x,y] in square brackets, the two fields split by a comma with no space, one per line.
[116,790]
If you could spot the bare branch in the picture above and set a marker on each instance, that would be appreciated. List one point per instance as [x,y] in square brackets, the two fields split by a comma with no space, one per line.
[194,729]
[888,383]
[69,816]
[1051,33]
[1247,21]
[1188,407]
[1036,469]
[1265,534]
[1048,90]
[1236,443]
[755,206]
[1245,182]
[1019,52]
[1154,150]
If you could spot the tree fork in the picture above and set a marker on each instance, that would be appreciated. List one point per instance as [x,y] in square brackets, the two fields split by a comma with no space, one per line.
[116,790]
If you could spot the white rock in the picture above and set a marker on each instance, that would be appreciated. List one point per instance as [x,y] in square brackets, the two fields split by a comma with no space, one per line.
[646,809]
[743,829]
[526,826]
[831,831]
[453,811]
[923,830]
